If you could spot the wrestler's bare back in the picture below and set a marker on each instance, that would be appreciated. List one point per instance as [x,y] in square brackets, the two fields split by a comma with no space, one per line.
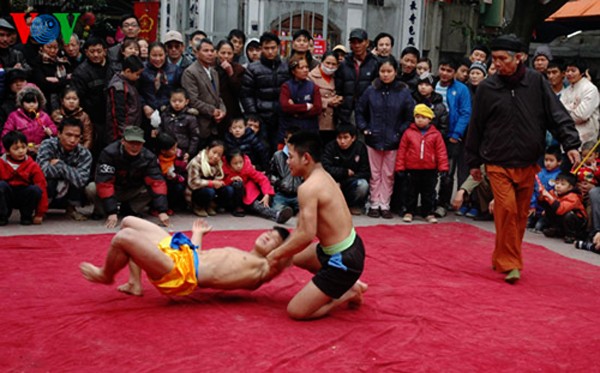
[321,199]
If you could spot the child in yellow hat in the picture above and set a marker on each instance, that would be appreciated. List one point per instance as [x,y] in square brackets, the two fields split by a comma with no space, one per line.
[422,154]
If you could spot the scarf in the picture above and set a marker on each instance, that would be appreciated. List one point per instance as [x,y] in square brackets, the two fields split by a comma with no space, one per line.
[166,163]
[512,81]
[207,169]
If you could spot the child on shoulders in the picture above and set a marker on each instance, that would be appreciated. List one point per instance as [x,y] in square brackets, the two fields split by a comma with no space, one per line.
[253,191]
[22,182]
[422,154]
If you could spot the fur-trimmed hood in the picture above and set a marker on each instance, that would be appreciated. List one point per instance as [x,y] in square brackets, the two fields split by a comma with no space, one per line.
[36,91]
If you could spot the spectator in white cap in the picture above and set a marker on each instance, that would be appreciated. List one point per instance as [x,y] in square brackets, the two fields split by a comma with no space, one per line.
[175,48]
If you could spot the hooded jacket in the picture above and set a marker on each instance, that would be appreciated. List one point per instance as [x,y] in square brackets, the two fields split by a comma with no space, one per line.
[27,173]
[255,182]
[32,128]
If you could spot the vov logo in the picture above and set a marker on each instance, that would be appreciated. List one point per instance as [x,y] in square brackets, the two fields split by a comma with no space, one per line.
[45,27]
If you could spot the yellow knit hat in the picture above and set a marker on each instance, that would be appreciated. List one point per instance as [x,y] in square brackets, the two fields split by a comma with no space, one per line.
[424,110]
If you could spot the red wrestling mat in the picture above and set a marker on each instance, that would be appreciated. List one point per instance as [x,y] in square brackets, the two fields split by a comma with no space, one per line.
[433,304]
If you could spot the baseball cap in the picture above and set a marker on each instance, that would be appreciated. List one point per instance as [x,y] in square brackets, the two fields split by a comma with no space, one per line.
[133,133]
[340,47]
[359,34]
[4,24]
[426,77]
[173,36]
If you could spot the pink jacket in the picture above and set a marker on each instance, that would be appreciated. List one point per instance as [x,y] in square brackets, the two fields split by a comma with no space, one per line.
[252,180]
[33,129]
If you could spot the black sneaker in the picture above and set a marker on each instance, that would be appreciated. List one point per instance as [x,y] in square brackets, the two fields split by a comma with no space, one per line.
[26,221]
[284,215]
[238,212]
[3,221]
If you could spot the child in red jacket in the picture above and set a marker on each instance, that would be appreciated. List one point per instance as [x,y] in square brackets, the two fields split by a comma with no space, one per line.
[421,155]
[563,209]
[252,189]
[22,182]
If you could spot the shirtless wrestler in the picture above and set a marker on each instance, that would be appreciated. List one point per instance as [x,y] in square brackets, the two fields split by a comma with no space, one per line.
[338,259]
[177,265]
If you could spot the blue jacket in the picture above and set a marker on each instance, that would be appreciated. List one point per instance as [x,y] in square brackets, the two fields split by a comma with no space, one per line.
[384,111]
[459,109]
[548,178]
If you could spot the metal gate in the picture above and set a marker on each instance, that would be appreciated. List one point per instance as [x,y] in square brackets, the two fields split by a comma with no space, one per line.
[284,17]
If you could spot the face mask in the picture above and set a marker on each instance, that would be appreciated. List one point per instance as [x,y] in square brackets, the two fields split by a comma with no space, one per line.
[327,70]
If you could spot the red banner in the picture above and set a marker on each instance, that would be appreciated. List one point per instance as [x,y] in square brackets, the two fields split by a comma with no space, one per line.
[147,13]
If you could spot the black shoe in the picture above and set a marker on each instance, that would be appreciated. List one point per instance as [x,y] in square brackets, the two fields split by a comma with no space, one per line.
[238,212]
[374,213]
[26,221]
[284,215]
[484,216]
[569,239]
[549,232]
[3,221]
[386,214]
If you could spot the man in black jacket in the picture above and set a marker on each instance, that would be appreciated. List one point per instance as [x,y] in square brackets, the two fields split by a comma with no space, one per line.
[348,83]
[10,58]
[129,174]
[347,161]
[90,79]
[511,113]
[261,85]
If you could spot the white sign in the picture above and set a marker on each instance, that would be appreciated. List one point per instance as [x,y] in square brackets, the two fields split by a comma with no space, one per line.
[411,23]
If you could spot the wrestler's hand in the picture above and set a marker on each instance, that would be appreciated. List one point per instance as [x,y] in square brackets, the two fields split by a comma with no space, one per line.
[111,221]
[201,227]
[164,219]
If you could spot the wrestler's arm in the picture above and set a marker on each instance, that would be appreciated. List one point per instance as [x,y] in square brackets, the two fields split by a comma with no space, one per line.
[199,229]
[306,229]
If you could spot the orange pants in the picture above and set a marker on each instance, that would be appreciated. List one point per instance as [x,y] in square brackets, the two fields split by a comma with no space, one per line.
[512,188]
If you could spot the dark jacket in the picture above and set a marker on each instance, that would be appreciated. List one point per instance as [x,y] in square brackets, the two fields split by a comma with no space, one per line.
[251,145]
[123,109]
[43,69]
[411,80]
[230,87]
[156,98]
[90,80]
[301,93]
[337,161]
[9,57]
[350,86]
[383,113]
[436,103]
[117,170]
[508,126]
[261,85]
[280,176]
[184,127]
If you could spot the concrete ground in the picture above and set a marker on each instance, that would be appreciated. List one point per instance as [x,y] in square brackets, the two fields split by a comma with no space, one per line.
[57,223]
